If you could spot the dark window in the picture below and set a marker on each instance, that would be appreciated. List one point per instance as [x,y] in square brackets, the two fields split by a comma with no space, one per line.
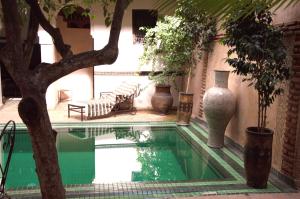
[142,18]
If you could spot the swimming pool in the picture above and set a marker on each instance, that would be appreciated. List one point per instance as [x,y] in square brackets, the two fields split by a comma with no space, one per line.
[128,158]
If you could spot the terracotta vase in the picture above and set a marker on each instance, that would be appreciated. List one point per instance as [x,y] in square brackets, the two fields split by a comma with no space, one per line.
[185,108]
[219,106]
[258,156]
[162,100]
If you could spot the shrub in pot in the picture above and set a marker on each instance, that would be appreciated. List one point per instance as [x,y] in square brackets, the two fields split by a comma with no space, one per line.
[175,45]
[200,29]
[155,52]
[261,60]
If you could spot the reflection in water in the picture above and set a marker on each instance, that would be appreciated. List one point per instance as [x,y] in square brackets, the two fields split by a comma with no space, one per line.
[110,154]
[76,157]
[22,168]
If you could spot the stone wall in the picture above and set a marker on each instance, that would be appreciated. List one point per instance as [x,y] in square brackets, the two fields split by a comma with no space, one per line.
[290,152]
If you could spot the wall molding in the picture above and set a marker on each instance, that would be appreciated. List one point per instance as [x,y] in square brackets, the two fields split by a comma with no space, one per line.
[127,73]
[98,73]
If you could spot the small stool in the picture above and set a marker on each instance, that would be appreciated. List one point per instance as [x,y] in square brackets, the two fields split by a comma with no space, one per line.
[76,108]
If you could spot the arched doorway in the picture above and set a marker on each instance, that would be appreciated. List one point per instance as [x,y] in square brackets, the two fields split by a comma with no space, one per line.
[75,30]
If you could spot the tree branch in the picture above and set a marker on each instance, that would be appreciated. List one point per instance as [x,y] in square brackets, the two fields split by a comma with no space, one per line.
[117,22]
[63,49]
[31,37]
[107,55]
[52,72]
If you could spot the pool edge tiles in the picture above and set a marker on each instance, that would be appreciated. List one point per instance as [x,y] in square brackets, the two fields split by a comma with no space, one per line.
[232,154]
[101,124]
[156,189]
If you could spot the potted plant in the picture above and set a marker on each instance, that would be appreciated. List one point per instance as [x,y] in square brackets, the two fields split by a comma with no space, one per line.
[158,43]
[200,29]
[175,45]
[261,60]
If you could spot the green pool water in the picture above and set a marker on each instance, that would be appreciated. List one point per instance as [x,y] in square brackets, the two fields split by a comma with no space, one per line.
[115,154]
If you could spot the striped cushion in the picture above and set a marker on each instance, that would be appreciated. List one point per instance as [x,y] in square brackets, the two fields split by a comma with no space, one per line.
[104,105]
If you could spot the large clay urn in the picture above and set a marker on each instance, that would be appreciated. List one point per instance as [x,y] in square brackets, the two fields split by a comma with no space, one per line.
[219,106]
[162,100]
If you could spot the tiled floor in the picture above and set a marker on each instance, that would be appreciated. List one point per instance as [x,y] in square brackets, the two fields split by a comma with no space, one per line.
[252,196]
[9,111]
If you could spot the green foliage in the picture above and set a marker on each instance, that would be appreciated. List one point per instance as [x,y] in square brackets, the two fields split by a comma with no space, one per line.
[261,54]
[175,44]
[222,8]
[69,6]
[165,45]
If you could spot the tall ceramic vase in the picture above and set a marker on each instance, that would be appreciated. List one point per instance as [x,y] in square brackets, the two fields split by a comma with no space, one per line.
[219,106]
[185,109]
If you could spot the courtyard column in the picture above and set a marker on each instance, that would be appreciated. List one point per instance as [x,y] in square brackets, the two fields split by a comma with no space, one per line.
[48,56]
[98,30]
[297,158]
[291,145]
[100,36]
[296,63]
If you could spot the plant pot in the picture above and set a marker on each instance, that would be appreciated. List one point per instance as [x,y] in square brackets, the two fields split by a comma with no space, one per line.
[258,156]
[185,108]
[219,107]
[162,100]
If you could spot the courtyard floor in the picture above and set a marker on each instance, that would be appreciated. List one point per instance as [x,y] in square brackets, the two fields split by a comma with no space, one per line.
[9,111]
[59,114]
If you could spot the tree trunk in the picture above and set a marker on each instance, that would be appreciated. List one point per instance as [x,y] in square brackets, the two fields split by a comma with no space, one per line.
[33,111]
[33,82]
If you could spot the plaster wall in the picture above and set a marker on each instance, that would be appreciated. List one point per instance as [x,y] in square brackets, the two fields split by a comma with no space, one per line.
[108,77]
[48,56]
[246,102]
[80,82]
[286,14]
[86,83]
[246,106]
[129,53]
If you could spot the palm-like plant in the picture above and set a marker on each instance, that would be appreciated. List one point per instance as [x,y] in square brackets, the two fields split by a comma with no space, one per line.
[225,7]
